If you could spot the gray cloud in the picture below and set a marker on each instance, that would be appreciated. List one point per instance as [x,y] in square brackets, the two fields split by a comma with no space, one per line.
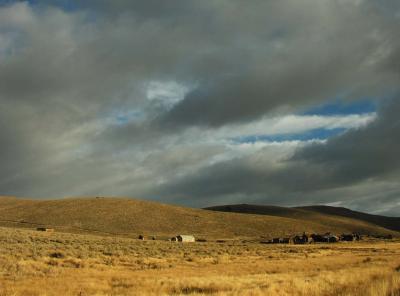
[366,154]
[361,154]
[295,62]
[76,117]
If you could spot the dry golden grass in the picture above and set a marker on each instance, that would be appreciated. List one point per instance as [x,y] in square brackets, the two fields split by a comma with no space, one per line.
[38,263]
[130,216]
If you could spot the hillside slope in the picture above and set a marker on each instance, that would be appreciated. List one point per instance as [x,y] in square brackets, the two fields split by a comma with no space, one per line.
[392,223]
[324,215]
[131,216]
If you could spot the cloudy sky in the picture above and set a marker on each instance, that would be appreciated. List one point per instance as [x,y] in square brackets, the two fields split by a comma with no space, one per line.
[199,103]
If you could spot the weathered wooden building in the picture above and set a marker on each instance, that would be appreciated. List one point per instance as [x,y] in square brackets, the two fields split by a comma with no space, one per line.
[183,238]
[45,229]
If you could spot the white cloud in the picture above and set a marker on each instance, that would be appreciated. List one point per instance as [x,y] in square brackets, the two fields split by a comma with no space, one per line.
[288,124]
[169,92]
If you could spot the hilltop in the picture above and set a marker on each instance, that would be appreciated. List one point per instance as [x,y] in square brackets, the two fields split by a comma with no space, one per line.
[125,216]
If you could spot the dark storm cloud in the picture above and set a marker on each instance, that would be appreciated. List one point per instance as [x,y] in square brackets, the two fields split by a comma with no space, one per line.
[365,153]
[244,59]
[297,63]
[368,154]
[69,69]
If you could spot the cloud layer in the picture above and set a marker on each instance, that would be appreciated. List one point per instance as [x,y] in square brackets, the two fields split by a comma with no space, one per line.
[158,100]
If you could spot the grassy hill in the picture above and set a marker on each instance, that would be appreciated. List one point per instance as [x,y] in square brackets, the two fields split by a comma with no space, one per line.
[324,215]
[131,217]
[392,223]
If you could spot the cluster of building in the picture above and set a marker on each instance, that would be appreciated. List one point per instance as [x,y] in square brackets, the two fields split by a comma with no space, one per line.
[315,238]
[184,238]
[296,239]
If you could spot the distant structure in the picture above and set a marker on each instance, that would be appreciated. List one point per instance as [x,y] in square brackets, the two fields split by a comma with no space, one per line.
[300,239]
[183,238]
[350,237]
[324,238]
[284,240]
[141,237]
[45,229]
[280,240]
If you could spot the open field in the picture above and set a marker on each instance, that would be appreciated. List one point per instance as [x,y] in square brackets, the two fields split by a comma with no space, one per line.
[40,263]
[131,217]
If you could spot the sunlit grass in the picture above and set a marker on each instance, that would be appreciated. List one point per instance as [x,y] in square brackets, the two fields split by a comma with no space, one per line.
[35,263]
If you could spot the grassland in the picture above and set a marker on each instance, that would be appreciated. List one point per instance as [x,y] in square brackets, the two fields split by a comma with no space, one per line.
[39,263]
[131,217]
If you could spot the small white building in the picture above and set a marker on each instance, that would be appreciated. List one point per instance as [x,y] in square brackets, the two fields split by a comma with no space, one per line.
[183,238]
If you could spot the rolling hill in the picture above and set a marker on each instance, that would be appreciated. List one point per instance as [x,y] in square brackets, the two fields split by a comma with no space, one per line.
[326,215]
[392,223]
[124,216]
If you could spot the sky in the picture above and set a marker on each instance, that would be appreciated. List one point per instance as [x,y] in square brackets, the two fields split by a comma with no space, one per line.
[201,103]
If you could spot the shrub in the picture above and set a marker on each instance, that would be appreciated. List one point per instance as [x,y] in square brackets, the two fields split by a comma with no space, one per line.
[57,255]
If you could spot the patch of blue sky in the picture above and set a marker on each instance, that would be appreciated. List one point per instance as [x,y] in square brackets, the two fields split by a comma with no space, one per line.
[8,2]
[123,118]
[339,107]
[314,134]
[67,5]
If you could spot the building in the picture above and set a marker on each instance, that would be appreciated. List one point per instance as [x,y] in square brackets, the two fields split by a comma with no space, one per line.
[183,238]
[45,229]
